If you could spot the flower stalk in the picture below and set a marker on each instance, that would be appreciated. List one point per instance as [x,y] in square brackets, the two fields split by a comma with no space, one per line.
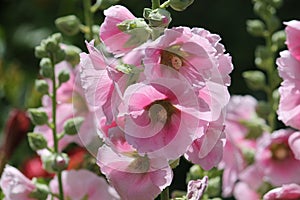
[155,4]
[88,19]
[54,131]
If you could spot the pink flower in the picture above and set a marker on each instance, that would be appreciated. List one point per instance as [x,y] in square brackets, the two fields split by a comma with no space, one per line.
[239,109]
[82,184]
[194,53]
[207,150]
[162,117]
[112,36]
[15,185]
[134,177]
[289,108]
[242,191]
[276,160]
[196,188]
[293,38]
[288,192]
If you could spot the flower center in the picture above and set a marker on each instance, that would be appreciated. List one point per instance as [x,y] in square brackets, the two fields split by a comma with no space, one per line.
[280,151]
[161,111]
[172,60]
[139,165]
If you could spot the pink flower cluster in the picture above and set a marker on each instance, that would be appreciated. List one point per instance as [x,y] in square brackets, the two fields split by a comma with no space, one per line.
[258,164]
[79,185]
[154,101]
[289,70]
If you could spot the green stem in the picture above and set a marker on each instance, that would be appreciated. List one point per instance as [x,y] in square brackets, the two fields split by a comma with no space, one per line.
[54,131]
[88,18]
[164,195]
[271,84]
[155,4]
[165,4]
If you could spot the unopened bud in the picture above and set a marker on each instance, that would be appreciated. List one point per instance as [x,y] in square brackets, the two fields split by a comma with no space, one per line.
[41,191]
[42,86]
[255,79]
[180,5]
[63,76]
[61,162]
[37,141]
[137,29]
[46,68]
[69,25]
[72,126]
[38,116]
[158,17]
[72,54]
[40,52]
[256,27]
[279,38]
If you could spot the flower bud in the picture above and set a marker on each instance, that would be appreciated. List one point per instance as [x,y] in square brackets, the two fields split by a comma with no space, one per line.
[37,141]
[137,29]
[255,127]
[61,162]
[72,54]
[273,23]
[41,86]
[59,56]
[255,79]
[69,25]
[55,162]
[57,37]
[180,5]
[38,116]
[279,38]
[263,57]
[40,52]
[51,45]
[158,17]
[63,76]
[41,191]
[195,173]
[72,125]
[256,27]
[46,68]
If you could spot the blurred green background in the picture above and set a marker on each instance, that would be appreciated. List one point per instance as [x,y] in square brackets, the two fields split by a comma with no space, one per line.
[24,23]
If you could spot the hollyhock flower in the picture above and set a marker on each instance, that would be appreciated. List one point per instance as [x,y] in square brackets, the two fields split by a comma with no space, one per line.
[194,53]
[162,117]
[288,192]
[134,177]
[15,185]
[70,103]
[196,56]
[196,188]
[289,108]
[240,109]
[276,160]
[121,31]
[293,38]
[83,184]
